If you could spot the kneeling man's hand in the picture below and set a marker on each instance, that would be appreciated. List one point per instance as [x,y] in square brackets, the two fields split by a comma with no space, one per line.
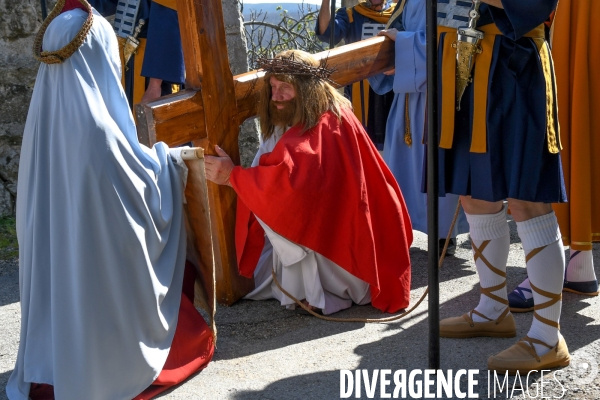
[218,168]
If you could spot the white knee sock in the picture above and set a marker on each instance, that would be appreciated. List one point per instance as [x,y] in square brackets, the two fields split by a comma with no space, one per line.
[493,230]
[579,269]
[545,266]
[581,266]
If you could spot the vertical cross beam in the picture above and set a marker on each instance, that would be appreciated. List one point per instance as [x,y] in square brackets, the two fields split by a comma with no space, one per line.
[207,71]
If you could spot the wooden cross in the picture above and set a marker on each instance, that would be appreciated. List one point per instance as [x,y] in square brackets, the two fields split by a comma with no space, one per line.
[209,112]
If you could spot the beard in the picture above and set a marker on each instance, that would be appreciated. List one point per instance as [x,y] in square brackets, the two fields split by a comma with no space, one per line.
[285,116]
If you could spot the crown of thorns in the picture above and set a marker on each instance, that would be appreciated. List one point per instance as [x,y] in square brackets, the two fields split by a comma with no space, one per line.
[60,55]
[289,66]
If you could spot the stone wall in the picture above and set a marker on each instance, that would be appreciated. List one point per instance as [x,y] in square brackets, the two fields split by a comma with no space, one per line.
[19,21]
[237,51]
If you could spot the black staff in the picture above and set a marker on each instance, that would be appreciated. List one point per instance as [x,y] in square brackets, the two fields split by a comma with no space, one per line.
[44,9]
[332,26]
[432,186]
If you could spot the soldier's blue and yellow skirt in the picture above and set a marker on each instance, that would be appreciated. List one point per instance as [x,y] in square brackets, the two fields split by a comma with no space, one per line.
[504,142]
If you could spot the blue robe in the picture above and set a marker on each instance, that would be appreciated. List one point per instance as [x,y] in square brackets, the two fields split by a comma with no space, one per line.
[370,108]
[163,55]
[101,232]
[344,29]
[406,163]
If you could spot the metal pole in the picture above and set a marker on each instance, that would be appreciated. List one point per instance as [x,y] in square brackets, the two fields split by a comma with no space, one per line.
[44,9]
[332,25]
[432,186]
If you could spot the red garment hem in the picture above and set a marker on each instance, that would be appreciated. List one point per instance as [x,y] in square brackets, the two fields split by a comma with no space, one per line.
[191,350]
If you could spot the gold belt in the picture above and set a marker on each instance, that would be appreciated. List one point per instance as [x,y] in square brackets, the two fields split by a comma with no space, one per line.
[172,4]
[483,62]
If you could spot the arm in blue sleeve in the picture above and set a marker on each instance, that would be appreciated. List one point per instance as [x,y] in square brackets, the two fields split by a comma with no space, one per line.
[411,66]
[105,7]
[411,63]
[341,26]
[163,58]
[381,83]
[519,17]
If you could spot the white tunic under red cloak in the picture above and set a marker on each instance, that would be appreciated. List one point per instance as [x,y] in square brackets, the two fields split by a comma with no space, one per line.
[329,190]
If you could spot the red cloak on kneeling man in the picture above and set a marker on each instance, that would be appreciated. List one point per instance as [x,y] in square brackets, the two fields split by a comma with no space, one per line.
[329,190]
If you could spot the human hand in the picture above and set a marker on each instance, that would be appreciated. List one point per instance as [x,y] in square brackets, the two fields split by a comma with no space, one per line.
[390,33]
[218,168]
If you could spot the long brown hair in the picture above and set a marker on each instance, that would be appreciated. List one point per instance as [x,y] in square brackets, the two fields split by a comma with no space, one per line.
[314,96]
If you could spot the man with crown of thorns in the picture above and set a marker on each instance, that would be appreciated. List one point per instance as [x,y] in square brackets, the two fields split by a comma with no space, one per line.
[318,206]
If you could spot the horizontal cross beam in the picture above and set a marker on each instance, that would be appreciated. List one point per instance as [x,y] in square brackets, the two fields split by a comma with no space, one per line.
[179,118]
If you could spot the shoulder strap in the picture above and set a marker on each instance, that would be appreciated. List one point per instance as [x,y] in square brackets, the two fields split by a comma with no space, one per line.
[397,13]
[350,14]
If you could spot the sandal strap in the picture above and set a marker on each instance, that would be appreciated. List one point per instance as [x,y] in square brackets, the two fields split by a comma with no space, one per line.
[527,344]
[488,292]
[504,314]
[478,313]
[533,253]
[519,292]
[469,316]
[478,254]
[554,298]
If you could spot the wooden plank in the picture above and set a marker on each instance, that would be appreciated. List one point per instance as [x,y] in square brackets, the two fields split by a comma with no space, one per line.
[144,123]
[202,31]
[174,119]
[352,62]
[200,245]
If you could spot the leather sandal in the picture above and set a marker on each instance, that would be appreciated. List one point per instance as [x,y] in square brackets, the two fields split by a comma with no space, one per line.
[523,358]
[589,288]
[518,302]
[465,327]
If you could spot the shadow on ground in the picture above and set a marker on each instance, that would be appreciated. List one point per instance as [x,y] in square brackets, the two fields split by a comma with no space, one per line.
[407,347]
[3,381]
[9,282]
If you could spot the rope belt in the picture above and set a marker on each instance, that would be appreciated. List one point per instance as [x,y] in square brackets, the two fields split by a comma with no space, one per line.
[481,77]
[374,320]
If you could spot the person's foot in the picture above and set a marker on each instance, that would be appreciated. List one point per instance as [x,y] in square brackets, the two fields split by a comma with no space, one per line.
[522,357]
[521,299]
[589,288]
[451,247]
[579,276]
[465,327]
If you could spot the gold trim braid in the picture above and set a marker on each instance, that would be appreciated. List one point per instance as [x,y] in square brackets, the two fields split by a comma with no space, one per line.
[407,133]
[60,55]
[396,14]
